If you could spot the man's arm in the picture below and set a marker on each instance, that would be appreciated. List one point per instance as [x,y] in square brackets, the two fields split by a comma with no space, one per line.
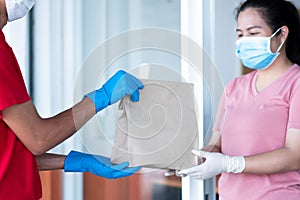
[49,161]
[39,135]
[82,162]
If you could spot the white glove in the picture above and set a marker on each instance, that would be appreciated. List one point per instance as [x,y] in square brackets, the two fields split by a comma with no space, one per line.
[173,172]
[214,164]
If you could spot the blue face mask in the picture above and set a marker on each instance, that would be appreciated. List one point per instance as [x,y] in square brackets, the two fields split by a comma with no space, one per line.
[255,52]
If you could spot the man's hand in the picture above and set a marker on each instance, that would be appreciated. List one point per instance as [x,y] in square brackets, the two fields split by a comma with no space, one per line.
[118,86]
[98,165]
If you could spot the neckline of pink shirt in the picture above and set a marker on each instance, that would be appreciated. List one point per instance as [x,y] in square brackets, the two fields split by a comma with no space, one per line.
[272,86]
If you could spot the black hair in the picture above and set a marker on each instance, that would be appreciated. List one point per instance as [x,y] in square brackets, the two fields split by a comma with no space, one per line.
[278,13]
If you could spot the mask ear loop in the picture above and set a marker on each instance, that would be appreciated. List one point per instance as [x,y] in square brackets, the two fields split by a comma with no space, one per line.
[280,46]
[276,32]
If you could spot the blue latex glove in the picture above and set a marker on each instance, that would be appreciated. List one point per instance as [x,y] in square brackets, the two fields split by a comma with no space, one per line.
[118,86]
[98,165]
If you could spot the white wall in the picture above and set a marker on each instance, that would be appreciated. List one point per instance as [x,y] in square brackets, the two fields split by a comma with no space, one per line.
[296,3]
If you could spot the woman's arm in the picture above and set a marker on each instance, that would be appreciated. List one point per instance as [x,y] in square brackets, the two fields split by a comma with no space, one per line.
[49,161]
[214,144]
[277,161]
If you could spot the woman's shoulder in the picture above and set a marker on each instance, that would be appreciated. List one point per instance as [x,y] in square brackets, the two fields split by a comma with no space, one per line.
[295,70]
[293,76]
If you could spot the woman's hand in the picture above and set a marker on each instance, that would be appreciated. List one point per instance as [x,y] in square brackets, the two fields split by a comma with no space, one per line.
[214,164]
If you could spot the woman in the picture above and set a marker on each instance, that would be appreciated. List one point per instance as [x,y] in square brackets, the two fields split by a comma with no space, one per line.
[257,130]
[25,136]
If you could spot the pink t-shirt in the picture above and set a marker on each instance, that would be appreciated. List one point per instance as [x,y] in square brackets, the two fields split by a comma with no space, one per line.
[256,122]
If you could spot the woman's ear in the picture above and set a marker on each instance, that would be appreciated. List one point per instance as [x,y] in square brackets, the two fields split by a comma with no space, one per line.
[284,33]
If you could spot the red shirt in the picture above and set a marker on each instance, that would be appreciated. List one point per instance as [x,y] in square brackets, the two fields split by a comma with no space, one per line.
[19,176]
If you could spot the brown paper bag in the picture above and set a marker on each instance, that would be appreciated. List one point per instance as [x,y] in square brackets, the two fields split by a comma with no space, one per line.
[160,130]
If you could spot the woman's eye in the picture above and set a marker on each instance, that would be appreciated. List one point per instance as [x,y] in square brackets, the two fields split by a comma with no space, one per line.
[254,33]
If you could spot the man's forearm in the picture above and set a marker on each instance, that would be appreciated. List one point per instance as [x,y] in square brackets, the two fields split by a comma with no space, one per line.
[38,134]
[49,161]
